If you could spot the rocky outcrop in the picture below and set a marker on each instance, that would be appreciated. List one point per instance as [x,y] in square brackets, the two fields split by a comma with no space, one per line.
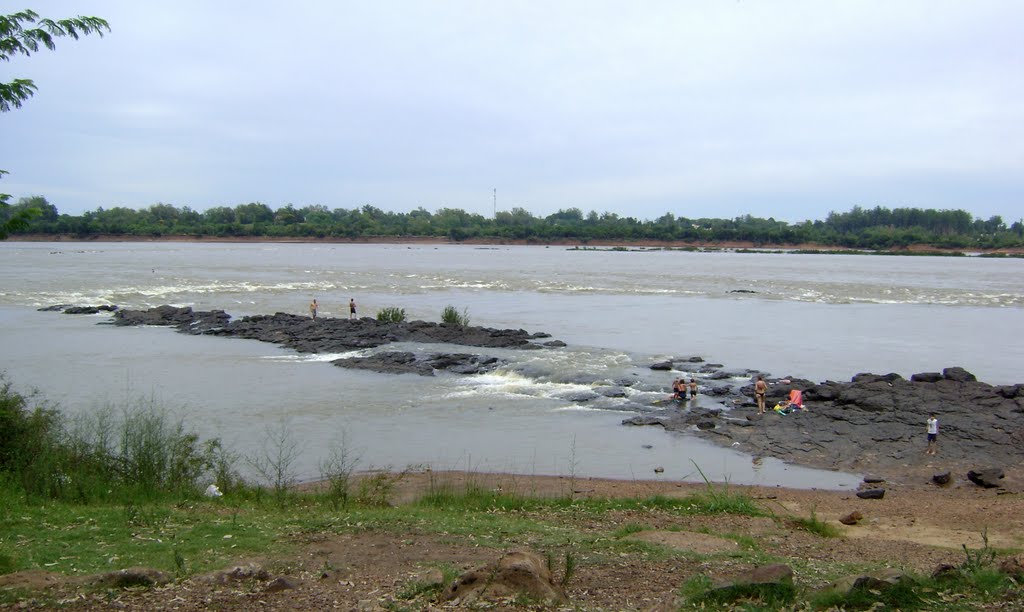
[329,335]
[868,423]
[405,362]
[872,421]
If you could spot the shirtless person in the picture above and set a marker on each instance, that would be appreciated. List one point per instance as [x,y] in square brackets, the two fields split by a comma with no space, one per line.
[760,389]
[678,389]
[313,306]
[693,388]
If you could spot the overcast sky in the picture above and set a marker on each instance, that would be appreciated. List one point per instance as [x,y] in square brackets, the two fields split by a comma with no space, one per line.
[785,109]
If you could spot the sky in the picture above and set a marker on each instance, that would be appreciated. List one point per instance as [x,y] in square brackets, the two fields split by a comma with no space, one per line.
[788,109]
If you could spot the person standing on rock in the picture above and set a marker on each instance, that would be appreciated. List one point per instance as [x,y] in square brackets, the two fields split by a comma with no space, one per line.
[351,308]
[693,388]
[760,390]
[313,307]
[933,435]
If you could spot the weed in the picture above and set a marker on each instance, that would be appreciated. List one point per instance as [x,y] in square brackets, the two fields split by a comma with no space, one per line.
[179,563]
[336,470]
[979,559]
[136,516]
[815,526]
[903,595]
[570,569]
[452,316]
[7,564]
[629,529]
[391,314]
[573,467]
[376,489]
[718,499]
[276,464]
[699,592]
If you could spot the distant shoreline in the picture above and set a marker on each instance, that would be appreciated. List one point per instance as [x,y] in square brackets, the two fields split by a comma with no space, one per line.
[582,244]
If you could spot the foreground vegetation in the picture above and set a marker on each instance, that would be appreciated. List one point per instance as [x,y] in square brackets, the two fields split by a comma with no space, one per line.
[860,228]
[125,488]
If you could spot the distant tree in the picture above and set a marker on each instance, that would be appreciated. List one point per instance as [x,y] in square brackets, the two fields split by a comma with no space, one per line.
[22,34]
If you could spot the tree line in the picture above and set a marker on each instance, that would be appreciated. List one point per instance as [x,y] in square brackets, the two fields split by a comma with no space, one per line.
[860,228]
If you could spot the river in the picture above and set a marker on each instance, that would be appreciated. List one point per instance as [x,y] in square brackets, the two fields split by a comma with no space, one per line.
[810,316]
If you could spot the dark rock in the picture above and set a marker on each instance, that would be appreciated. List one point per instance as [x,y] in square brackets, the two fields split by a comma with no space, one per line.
[554,344]
[874,581]
[718,391]
[642,420]
[958,374]
[927,377]
[610,391]
[873,479]
[281,583]
[886,378]
[942,479]
[239,573]
[986,477]
[662,366]
[1013,566]
[132,577]
[1010,391]
[72,310]
[871,494]
[706,425]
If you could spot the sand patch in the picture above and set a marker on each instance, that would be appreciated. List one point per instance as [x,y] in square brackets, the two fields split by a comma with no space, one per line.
[929,535]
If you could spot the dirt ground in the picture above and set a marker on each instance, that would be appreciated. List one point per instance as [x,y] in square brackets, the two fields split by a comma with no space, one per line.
[916,526]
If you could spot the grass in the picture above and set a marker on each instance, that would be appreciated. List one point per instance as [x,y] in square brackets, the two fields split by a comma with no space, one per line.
[813,524]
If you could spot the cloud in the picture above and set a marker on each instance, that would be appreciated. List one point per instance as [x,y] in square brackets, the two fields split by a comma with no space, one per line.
[731,106]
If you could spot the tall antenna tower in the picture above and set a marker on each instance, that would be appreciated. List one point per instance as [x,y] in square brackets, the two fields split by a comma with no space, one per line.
[495,202]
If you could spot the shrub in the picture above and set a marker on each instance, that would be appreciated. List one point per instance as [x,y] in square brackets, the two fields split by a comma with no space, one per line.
[391,314]
[143,451]
[337,470]
[452,316]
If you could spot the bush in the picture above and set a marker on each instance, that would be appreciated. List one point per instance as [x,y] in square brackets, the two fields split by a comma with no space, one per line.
[391,314]
[452,316]
[143,451]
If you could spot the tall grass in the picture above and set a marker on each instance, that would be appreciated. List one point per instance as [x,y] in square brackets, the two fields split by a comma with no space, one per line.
[138,450]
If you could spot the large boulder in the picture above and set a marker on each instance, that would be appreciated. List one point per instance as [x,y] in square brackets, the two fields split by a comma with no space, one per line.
[958,374]
[515,574]
[986,477]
